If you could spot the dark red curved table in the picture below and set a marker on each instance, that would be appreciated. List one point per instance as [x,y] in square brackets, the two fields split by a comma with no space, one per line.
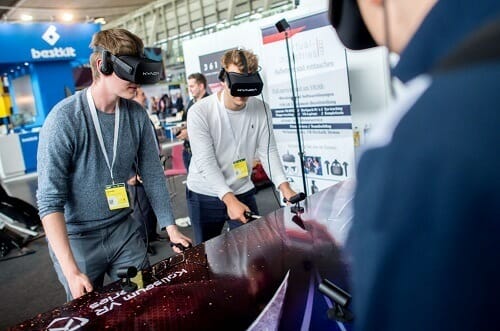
[261,276]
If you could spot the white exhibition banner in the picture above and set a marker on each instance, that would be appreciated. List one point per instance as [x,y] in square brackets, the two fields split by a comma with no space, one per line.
[322,85]
[203,54]
[323,101]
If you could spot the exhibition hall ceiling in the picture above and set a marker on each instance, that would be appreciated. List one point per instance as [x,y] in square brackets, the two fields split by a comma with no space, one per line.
[53,10]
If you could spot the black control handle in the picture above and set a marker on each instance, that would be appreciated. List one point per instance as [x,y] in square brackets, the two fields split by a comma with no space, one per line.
[296,198]
[251,216]
[180,246]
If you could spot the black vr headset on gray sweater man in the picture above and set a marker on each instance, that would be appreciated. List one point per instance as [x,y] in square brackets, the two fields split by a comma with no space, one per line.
[136,69]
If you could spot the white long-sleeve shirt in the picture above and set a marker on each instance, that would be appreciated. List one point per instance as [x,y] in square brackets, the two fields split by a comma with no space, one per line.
[220,136]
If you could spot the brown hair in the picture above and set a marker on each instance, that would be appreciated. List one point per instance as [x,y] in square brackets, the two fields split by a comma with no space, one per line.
[116,41]
[233,56]
[199,78]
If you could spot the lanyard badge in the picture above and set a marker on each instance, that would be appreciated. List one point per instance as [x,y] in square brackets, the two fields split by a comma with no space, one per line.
[116,194]
[240,168]
[117,197]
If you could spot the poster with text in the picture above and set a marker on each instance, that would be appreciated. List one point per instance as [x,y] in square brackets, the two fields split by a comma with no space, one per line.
[319,73]
[210,67]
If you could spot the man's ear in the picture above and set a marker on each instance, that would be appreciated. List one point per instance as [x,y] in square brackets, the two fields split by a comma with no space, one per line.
[98,63]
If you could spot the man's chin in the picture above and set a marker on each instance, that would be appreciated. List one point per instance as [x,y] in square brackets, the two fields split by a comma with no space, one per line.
[241,100]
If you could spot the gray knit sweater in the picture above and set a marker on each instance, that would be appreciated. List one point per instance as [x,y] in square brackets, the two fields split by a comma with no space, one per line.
[72,171]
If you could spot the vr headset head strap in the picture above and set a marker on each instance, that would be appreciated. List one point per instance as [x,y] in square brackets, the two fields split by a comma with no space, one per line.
[108,59]
[222,73]
[243,61]
[106,67]
[122,64]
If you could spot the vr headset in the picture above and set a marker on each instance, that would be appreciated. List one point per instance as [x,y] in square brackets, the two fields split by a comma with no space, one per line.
[138,70]
[346,18]
[242,85]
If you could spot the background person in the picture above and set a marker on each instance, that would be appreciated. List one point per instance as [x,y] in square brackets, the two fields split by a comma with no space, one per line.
[197,85]
[226,133]
[143,211]
[426,222]
[179,102]
[153,106]
[88,144]
[164,106]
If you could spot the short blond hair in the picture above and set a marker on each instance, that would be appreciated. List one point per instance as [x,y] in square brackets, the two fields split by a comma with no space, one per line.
[118,42]
[233,56]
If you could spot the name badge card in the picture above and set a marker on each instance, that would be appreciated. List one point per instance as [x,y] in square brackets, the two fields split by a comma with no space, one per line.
[240,168]
[117,197]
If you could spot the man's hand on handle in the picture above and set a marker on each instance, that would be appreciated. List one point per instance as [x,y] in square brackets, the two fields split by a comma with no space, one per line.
[79,284]
[177,238]
[235,208]
[286,190]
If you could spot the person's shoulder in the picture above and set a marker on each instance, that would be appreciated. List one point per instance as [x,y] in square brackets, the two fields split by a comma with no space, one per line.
[475,82]
[204,104]
[207,99]
[203,110]
[66,115]
[68,107]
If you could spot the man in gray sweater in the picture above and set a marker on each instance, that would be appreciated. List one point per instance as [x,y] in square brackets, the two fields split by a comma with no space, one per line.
[88,144]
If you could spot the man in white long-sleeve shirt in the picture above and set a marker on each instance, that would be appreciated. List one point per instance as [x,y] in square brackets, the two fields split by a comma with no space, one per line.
[227,133]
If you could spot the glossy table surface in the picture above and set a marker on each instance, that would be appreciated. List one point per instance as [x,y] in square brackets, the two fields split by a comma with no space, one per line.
[261,276]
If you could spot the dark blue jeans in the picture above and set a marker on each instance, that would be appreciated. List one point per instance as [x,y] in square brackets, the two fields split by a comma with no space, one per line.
[208,214]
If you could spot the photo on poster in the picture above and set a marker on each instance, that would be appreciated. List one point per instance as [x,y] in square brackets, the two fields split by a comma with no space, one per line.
[312,165]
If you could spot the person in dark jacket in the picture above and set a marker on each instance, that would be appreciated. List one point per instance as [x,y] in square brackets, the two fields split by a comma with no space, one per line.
[425,235]
[143,211]
[179,103]
[197,84]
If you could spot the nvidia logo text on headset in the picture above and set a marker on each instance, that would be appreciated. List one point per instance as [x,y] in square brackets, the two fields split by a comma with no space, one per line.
[136,69]
[242,85]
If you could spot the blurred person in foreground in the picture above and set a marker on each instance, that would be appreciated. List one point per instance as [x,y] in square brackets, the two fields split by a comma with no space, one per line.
[427,217]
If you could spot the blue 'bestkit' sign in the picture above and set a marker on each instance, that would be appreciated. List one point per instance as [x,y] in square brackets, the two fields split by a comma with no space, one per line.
[33,42]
